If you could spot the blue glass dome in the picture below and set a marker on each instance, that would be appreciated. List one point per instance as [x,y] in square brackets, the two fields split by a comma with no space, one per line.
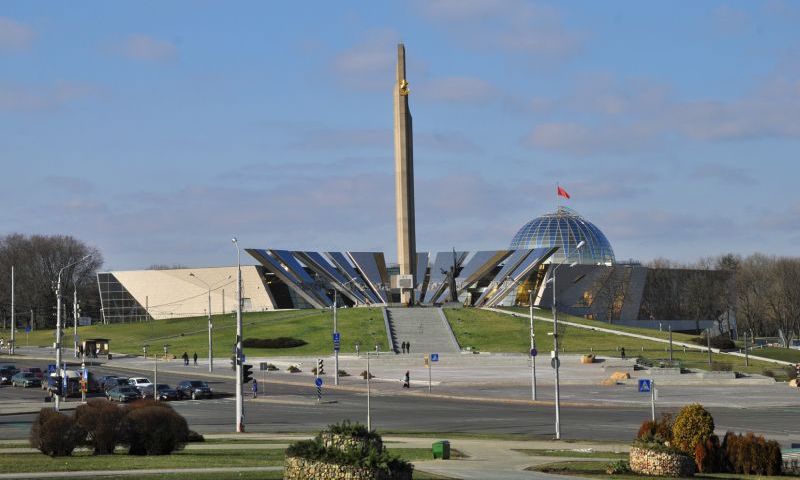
[564,228]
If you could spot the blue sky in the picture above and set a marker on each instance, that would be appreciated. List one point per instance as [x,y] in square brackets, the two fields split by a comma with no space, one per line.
[157,130]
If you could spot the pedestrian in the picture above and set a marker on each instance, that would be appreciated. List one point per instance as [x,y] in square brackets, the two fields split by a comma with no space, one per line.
[405,347]
[185,357]
[408,347]
[407,380]
[255,388]
[622,352]
[195,359]
[357,354]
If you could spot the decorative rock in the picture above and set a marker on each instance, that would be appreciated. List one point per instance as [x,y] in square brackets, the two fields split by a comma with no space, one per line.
[300,469]
[664,464]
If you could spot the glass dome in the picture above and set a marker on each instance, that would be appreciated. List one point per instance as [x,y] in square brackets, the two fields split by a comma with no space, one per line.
[564,228]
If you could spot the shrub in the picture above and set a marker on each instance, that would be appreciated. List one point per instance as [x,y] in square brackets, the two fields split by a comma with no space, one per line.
[693,425]
[708,456]
[364,375]
[55,434]
[721,366]
[656,431]
[369,455]
[195,437]
[343,373]
[722,342]
[293,369]
[153,428]
[619,467]
[768,373]
[101,419]
[280,342]
[751,454]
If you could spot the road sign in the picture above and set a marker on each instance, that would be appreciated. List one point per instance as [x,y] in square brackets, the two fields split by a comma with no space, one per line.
[555,362]
[28,329]
[434,357]
[51,368]
[534,352]
[644,385]
[337,337]
[318,382]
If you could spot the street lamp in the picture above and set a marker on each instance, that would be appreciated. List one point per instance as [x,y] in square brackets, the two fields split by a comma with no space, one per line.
[556,361]
[210,325]
[58,318]
[369,417]
[239,399]
[533,348]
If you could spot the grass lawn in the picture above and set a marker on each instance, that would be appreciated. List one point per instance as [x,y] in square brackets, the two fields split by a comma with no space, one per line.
[572,454]
[37,462]
[498,332]
[784,354]
[595,469]
[356,325]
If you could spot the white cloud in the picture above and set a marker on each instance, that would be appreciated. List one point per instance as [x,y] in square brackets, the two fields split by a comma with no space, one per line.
[15,35]
[457,90]
[509,25]
[148,49]
[370,64]
[37,98]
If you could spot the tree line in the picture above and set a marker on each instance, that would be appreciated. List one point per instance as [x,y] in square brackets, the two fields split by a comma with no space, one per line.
[37,260]
[762,291]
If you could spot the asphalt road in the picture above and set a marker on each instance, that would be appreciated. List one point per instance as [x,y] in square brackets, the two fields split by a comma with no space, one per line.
[288,408]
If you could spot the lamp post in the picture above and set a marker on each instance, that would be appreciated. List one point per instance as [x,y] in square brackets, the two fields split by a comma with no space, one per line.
[210,324]
[238,359]
[58,320]
[369,417]
[335,347]
[11,346]
[533,347]
[75,318]
[556,361]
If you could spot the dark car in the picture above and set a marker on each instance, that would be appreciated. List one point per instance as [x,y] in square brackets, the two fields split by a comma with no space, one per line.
[6,373]
[165,392]
[36,371]
[108,382]
[25,379]
[123,393]
[194,389]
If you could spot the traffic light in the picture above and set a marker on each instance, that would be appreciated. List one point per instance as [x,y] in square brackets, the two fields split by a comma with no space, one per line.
[320,367]
[59,390]
[247,373]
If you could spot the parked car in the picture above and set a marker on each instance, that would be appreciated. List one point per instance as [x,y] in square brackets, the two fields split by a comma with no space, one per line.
[139,382]
[5,375]
[73,386]
[165,392]
[123,393]
[108,382]
[25,379]
[194,389]
[36,371]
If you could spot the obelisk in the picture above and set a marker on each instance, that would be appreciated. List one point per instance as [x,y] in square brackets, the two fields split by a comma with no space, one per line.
[404,179]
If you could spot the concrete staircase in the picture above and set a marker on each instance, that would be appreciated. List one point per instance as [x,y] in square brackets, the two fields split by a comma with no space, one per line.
[426,328]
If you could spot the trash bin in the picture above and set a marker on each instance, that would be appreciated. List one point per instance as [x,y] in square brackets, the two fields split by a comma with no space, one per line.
[441,449]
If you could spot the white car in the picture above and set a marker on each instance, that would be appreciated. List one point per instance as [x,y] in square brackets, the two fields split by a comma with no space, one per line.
[139,382]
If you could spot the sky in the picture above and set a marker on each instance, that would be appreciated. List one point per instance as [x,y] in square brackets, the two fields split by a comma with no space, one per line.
[156,131]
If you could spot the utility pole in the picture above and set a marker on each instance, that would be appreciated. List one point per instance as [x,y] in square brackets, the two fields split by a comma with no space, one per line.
[708,341]
[13,321]
[746,357]
[670,344]
[239,399]
[369,417]
[335,347]
[555,360]
[58,321]
[33,322]
[75,319]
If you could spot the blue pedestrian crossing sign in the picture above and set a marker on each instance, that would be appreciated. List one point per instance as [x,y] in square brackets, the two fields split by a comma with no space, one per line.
[644,385]
[434,357]
[51,368]
[318,382]
[337,337]
[28,329]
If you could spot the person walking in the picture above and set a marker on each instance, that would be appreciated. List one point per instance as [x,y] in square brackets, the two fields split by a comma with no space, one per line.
[185,357]
[622,352]
[403,346]
[255,388]
[408,347]
[195,358]
[407,380]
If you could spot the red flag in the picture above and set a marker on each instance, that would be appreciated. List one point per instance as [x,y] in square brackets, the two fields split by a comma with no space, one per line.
[562,192]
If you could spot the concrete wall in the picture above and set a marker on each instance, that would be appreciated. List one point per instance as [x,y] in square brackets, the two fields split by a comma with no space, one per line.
[175,293]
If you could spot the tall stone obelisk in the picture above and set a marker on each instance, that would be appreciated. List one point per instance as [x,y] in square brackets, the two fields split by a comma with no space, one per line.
[404,179]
